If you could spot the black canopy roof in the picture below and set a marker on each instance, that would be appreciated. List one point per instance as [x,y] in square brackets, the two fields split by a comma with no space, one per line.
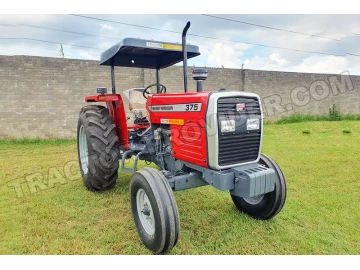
[133,52]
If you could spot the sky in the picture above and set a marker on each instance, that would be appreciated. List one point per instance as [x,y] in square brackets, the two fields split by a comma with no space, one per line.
[231,44]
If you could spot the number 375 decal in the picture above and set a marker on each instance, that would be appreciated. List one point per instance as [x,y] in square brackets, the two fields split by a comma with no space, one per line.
[189,107]
[192,107]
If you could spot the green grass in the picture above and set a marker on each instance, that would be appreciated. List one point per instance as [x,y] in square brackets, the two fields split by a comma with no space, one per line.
[321,214]
[27,141]
[299,118]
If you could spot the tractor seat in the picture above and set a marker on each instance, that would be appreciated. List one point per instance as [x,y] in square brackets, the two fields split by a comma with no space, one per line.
[137,106]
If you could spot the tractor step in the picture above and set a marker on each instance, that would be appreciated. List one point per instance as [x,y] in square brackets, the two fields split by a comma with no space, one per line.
[129,154]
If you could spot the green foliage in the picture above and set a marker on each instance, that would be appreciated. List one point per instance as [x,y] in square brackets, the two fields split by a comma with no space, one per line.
[35,141]
[299,118]
[346,131]
[306,131]
[268,122]
[350,117]
[61,51]
[334,114]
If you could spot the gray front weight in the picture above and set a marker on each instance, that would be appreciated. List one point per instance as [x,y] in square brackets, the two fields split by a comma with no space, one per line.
[243,181]
[253,181]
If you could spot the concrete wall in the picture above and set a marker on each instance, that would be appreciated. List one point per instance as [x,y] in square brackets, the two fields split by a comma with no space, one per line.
[41,97]
[285,93]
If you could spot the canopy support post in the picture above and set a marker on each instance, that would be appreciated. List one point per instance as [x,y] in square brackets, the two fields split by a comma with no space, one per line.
[113,89]
[157,81]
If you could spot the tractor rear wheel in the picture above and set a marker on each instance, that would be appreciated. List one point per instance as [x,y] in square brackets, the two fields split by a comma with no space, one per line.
[154,210]
[98,151]
[268,205]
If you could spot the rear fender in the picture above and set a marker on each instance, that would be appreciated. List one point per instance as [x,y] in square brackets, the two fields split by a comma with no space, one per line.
[116,108]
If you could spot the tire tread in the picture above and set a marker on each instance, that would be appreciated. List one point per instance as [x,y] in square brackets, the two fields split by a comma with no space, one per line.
[102,140]
[166,204]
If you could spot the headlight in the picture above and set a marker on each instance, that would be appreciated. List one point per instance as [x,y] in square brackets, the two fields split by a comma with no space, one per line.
[227,126]
[252,124]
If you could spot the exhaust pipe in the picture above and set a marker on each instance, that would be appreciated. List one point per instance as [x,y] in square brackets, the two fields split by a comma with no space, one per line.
[187,26]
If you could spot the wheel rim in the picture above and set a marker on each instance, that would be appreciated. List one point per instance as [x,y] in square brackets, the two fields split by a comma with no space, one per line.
[83,149]
[254,200]
[145,212]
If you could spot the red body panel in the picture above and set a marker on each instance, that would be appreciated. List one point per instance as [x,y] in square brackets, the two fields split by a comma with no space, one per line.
[116,108]
[188,128]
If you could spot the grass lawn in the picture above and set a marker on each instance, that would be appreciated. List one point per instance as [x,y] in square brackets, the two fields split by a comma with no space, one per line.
[59,216]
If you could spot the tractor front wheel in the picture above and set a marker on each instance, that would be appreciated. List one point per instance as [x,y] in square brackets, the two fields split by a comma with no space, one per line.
[154,210]
[98,150]
[268,205]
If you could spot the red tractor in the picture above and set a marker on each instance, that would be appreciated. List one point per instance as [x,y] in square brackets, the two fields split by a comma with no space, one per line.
[195,139]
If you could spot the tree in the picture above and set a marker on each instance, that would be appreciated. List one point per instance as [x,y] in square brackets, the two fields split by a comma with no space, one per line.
[62,54]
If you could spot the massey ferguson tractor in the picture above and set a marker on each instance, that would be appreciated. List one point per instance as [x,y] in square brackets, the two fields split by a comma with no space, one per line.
[195,139]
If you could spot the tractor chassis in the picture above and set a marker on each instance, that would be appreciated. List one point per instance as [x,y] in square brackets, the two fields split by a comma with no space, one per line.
[244,181]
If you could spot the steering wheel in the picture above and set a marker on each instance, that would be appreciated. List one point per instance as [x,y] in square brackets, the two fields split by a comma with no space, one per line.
[162,89]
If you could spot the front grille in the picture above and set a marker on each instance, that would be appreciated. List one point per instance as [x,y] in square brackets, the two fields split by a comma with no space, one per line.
[238,148]
[228,105]
[242,145]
